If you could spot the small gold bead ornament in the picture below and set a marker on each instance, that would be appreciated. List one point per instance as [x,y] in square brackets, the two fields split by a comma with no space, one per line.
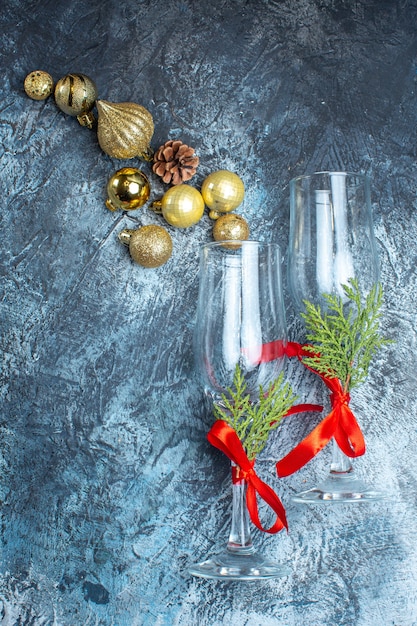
[38,85]
[127,189]
[181,206]
[222,191]
[149,246]
[75,94]
[230,226]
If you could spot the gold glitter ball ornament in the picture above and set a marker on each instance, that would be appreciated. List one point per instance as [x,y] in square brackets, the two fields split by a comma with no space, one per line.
[230,226]
[38,85]
[124,130]
[150,246]
[181,206]
[75,94]
[127,189]
[222,191]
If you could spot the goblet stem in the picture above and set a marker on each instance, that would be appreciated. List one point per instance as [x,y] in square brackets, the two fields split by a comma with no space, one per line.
[341,484]
[340,464]
[240,539]
[240,560]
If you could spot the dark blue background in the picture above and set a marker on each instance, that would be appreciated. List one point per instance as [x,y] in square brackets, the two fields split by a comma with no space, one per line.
[108,486]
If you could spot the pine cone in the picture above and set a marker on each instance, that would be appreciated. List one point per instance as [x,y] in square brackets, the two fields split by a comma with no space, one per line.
[175,162]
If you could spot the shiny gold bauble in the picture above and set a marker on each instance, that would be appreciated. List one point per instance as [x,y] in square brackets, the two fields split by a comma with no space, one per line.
[127,189]
[150,246]
[124,129]
[75,94]
[182,206]
[223,191]
[38,85]
[230,226]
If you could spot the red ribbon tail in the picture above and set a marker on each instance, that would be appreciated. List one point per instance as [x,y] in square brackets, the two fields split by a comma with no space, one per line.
[255,484]
[224,437]
[348,434]
[308,447]
[303,408]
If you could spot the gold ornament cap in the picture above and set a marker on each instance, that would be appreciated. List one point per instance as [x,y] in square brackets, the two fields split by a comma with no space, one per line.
[223,191]
[182,206]
[230,226]
[127,189]
[149,246]
[38,85]
[75,94]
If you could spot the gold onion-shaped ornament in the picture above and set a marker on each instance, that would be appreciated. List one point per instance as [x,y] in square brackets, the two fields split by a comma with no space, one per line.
[124,129]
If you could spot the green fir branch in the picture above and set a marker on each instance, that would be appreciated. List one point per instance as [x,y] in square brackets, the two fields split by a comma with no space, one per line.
[254,421]
[344,339]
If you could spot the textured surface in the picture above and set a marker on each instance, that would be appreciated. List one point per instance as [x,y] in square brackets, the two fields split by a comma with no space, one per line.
[108,486]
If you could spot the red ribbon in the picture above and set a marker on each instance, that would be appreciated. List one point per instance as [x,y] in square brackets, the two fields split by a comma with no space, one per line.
[339,424]
[279,348]
[276,350]
[224,437]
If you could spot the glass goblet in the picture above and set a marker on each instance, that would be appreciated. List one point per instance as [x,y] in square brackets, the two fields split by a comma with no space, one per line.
[240,308]
[332,241]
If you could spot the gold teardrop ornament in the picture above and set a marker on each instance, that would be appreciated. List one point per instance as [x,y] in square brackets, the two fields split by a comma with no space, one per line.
[124,129]
[181,206]
[127,189]
[150,246]
[222,192]
[230,226]
[75,94]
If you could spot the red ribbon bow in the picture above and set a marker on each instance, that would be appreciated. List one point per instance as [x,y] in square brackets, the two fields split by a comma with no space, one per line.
[339,424]
[224,437]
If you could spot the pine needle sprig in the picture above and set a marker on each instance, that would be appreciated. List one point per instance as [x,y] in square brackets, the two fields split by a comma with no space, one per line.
[253,421]
[344,339]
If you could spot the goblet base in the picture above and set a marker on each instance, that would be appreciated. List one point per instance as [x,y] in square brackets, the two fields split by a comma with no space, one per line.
[228,565]
[339,488]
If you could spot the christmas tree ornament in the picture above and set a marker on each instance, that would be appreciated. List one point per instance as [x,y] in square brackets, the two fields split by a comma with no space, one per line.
[230,226]
[124,130]
[175,162]
[222,192]
[127,189]
[181,206]
[75,94]
[38,85]
[150,246]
